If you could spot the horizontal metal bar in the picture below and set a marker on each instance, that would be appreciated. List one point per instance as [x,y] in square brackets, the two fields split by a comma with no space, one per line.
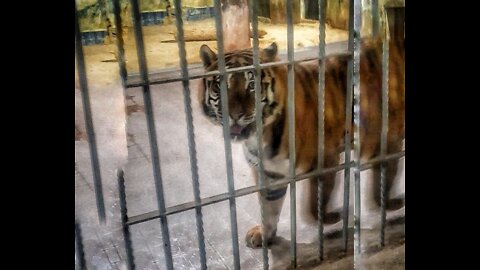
[197,71]
[226,196]
[332,48]
[369,164]
[252,189]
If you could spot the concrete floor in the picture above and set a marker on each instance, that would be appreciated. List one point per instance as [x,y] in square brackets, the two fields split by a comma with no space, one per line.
[123,143]
[104,244]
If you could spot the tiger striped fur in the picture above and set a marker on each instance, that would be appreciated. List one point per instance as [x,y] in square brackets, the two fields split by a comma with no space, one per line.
[241,102]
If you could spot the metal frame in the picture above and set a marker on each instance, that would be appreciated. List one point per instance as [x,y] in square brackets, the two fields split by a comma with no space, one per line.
[353,101]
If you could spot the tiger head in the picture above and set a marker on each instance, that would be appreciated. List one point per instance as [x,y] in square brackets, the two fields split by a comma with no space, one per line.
[240,89]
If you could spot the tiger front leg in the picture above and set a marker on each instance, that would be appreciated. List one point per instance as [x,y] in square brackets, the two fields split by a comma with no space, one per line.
[272,201]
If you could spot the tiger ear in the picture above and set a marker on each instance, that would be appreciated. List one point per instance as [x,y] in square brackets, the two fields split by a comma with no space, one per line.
[207,55]
[269,54]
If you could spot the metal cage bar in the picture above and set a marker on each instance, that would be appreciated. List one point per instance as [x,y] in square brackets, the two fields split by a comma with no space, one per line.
[383,141]
[120,43]
[352,100]
[227,71]
[152,134]
[259,120]
[124,219]
[291,135]
[87,112]
[253,189]
[348,130]
[79,252]
[130,260]
[226,133]
[190,132]
[357,22]
[321,119]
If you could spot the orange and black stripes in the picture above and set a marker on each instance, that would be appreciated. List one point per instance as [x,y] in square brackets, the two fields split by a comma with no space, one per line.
[274,91]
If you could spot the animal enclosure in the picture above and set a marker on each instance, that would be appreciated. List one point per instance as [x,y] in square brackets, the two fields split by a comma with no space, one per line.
[183,198]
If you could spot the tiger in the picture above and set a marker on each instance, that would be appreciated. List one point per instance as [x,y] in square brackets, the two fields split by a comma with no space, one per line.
[274,140]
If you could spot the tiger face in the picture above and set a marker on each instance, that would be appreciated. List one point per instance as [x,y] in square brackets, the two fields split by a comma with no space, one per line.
[240,90]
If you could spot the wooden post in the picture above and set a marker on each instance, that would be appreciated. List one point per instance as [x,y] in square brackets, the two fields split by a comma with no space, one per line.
[236,25]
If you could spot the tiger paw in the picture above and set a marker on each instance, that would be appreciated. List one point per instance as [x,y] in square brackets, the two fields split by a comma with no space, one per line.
[253,238]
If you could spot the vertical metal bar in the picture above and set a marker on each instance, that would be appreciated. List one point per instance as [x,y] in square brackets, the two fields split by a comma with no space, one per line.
[79,247]
[375,16]
[348,130]
[226,133]
[124,218]
[190,131]
[291,135]
[321,118]
[383,141]
[152,134]
[87,111]
[120,45]
[259,118]
[357,22]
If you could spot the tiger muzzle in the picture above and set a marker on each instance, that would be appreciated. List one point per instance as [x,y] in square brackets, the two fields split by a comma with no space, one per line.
[239,132]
